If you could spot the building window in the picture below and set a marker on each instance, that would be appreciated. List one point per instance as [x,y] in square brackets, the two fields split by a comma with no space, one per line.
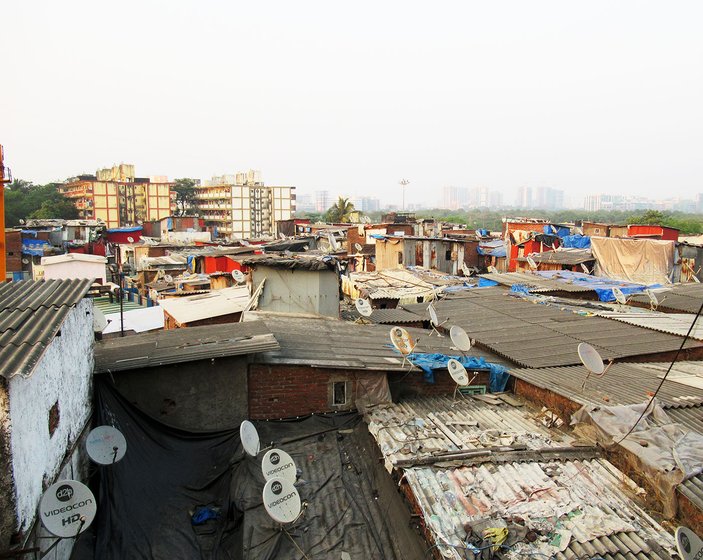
[54,416]
[448,255]
[400,258]
[339,393]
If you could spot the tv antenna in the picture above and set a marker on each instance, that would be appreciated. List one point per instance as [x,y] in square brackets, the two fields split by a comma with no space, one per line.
[403,342]
[531,263]
[238,276]
[278,464]
[358,247]
[281,500]
[434,320]
[492,270]
[592,361]
[106,445]
[459,375]
[282,235]
[619,296]
[689,545]
[585,269]
[333,242]
[363,307]
[130,239]
[460,339]
[653,301]
[168,278]
[403,183]
[250,438]
[67,508]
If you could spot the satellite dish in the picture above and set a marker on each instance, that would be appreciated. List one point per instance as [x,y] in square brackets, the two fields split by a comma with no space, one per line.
[459,338]
[590,358]
[250,438]
[168,278]
[358,247]
[402,341]
[585,269]
[333,241]
[363,307]
[689,545]
[130,239]
[282,235]
[281,500]
[238,276]
[492,270]
[531,262]
[99,320]
[67,508]
[653,301]
[433,315]
[619,296]
[458,372]
[278,464]
[105,445]
[22,222]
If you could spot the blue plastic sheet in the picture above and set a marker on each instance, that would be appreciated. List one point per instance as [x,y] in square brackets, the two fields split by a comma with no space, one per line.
[520,289]
[486,283]
[498,375]
[601,285]
[559,231]
[576,242]
[34,247]
[494,248]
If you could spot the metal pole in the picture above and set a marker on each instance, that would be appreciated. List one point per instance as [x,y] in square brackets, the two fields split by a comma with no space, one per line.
[3,248]
[403,184]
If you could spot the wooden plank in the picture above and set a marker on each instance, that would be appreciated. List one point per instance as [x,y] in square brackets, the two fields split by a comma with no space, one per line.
[447,432]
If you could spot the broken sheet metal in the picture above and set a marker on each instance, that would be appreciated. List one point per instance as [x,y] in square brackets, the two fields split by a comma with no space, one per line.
[576,509]
[428,427]
[402,285]
[668,453]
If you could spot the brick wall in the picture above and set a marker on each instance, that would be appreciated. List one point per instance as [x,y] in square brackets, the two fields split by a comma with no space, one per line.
[414,384]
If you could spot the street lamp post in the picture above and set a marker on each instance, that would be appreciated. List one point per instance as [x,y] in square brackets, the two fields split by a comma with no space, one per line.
[403,183]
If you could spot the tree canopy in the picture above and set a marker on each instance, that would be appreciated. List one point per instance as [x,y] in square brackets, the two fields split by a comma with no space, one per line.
[340,211]
[185,196]
[24,200]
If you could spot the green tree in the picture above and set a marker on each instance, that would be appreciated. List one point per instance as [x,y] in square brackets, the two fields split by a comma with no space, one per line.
[185,196]
[650,217]
[25,200]
[340,211]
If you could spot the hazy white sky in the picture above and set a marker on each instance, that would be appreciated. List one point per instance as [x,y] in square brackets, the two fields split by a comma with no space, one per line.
[588,96]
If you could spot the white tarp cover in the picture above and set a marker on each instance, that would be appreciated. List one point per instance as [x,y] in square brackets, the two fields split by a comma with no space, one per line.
[137,320]
[669,452]
[642,261]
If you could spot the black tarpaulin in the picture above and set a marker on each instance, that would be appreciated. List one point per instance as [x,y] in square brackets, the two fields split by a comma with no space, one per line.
[145,502]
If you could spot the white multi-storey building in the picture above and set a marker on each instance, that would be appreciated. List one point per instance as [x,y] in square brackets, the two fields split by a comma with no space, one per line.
[241,206]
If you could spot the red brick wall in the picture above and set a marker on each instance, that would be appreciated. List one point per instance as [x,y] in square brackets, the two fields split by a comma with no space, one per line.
[414,383]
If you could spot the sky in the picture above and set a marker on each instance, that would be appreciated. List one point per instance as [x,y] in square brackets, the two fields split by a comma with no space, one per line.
[588,97]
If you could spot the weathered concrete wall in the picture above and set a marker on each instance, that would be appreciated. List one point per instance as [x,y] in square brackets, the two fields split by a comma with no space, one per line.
[202,395]
[298,291]
[7,495]
[64,376]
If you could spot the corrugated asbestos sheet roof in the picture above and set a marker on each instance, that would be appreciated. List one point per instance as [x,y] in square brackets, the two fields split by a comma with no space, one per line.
[182,345]
[31,313]
[672,323]
[681,297]
[583,499]
[537,336]
[562,256]
[385,316]
[331,343]
[535,283]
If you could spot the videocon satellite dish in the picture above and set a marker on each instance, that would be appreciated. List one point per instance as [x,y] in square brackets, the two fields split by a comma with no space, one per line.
[585,269]
[401,339]
[281,500]
[130,239]
[363,307]
[67,508]
[590,358]
[358,247]
[99,320]
[278,464]
[168,278]
[458,372]
[459,338]
[619,296]
[531,262]
[689,545]
[250,438]
[238,276]
[433,315]
[105,445]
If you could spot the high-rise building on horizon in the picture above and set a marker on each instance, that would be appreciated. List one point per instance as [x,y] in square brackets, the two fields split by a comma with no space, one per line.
[323,201]
[454,198]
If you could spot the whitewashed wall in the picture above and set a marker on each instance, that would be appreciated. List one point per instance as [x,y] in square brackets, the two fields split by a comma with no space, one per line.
[64,374]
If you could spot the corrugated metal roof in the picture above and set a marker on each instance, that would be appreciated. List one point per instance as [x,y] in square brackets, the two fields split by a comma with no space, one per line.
[680,297]
[205,306]
[182,345]
[589,498]
[672,323]
[533,335]
[31,313]
[332,343]
[385,316]
[562,256]
[534,282]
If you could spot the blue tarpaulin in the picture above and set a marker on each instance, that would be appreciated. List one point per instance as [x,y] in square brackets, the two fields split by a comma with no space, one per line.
[559,231]
[486,283]
[601,285]
[576,242]
[34,247]
[494,248]
[498,375]
[520,289]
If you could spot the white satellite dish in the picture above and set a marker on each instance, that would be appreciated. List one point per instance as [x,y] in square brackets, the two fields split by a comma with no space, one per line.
[25,261]
[363,307]
[492,270]
[458,372]
[689,545]
[585,269]
[282,235]
[67,508]
[460,339]
[333,242]
[402,341]
[130,239]
[278,464]
[358,247]
[250,438]
[99,320]
[619,296]
[281,500]
[168,278]
[531,262]
[653,301]
[238,276]
[433,315]
[105,445]
[590,358]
